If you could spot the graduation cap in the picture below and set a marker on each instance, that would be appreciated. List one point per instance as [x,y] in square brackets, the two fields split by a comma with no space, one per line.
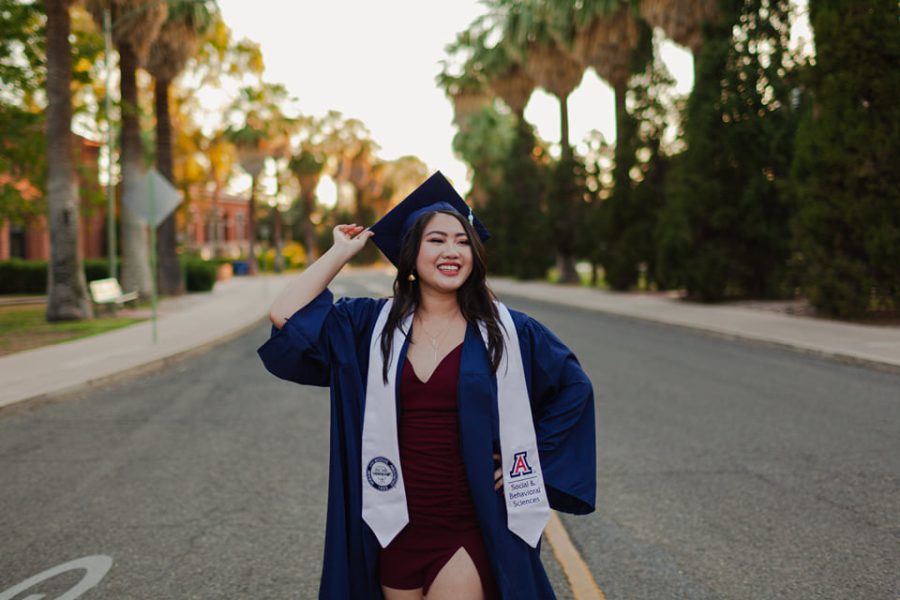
[433,195]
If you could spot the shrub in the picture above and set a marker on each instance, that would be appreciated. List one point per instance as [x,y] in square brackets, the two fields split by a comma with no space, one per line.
[96,268]
[18,276]
[846,181]
[201,274]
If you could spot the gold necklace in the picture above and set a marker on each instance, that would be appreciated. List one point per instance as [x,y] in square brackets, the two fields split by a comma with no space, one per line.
[435,340]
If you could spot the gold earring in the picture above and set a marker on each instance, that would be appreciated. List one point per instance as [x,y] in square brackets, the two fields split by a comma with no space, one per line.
[411,277]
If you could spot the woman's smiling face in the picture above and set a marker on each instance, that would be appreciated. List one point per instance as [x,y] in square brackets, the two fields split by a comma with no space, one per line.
[444,261]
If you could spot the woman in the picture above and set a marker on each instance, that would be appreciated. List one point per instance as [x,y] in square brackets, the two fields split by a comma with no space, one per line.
[495,425]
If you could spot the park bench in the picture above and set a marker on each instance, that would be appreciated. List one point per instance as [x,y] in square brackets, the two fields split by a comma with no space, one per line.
[108,292]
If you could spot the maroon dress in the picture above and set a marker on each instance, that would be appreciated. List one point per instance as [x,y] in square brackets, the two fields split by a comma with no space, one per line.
[441,515]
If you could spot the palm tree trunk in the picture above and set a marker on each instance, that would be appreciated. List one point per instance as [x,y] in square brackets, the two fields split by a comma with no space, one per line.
[278,265]
[620,88]
[170,279]
[360,205]
[565,260]
[566,265]
[66,286]
[309,230]
[135,255]
[251,233]
[624,146]
[564,125]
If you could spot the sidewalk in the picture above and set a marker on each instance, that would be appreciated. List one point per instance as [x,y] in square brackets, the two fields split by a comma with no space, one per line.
[197,322]
[186,325]
[877,346]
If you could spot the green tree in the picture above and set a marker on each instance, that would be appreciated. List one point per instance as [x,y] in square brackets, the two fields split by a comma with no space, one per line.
[23,75]
[846,168]
[628,218]
[307,166]
[516,213]
[724,231]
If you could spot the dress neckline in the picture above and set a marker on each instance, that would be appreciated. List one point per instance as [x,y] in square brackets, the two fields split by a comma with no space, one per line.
[438,366]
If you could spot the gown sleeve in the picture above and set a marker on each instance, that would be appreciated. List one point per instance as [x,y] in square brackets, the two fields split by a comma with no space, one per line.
[563,407]
[306,346]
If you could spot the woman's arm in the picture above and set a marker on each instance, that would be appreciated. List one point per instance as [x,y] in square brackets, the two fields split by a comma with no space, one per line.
[562,399]
[348,240]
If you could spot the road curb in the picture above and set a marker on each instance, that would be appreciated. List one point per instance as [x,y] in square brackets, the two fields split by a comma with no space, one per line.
[98,383]
[837,356]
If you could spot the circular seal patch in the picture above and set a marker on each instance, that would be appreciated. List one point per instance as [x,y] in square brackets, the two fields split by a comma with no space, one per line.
[381,474]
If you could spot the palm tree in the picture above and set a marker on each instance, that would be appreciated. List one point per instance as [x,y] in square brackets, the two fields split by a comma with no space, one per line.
[467,90]
[221,155]
[177,42]
[469,97]
[307,167]
[529,37]
[402,176]
[681,20]
[252,154]
[348,145]
[136,24]
[514,86]
[362,167]
[488,68]
[67,297]
[604,36]
[265,133]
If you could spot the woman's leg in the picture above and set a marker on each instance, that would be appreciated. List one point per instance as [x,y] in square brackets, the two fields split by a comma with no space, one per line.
[392,594]
[457,580]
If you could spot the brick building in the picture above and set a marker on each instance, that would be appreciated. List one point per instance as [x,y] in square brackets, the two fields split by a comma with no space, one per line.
[198,231]
[31,238]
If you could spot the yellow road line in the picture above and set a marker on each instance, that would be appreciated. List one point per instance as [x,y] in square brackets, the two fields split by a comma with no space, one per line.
[583,585]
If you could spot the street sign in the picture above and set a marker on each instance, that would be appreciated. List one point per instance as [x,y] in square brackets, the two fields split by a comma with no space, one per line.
[156,198]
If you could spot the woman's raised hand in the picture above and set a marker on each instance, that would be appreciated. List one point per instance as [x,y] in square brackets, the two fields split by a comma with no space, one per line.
[348,240]
[351,238]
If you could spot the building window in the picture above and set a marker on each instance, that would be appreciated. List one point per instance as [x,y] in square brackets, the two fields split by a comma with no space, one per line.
[16,240]
[239,227]
[223,223]
[195,227]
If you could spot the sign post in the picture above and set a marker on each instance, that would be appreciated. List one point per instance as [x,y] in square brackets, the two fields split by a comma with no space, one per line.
[156,201]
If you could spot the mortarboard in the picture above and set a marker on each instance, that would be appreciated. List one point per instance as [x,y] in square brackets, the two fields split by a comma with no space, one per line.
[434,194]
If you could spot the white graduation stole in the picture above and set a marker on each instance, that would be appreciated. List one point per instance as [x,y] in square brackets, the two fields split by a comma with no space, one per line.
[384,498]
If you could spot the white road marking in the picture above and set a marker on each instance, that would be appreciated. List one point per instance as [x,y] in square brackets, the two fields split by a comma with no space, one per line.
[95,568]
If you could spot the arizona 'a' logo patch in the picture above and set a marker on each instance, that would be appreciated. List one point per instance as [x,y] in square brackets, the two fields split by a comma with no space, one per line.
[520,465]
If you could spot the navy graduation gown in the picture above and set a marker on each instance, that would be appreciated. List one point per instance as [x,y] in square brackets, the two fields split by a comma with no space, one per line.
[327,344]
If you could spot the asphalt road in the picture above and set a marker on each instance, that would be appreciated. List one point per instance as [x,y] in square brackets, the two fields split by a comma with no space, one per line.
[725,470]
[733,470]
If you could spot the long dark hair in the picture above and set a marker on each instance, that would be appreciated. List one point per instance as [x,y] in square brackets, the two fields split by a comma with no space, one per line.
[476,300]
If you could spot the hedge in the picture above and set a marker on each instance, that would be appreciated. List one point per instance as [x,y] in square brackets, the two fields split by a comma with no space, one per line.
[18,276]
[201,274]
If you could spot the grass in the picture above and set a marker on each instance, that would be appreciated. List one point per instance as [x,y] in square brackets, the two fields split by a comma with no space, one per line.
[584,276]
[25,327]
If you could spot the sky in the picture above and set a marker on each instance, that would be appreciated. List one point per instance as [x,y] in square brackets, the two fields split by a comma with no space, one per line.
[377,62]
